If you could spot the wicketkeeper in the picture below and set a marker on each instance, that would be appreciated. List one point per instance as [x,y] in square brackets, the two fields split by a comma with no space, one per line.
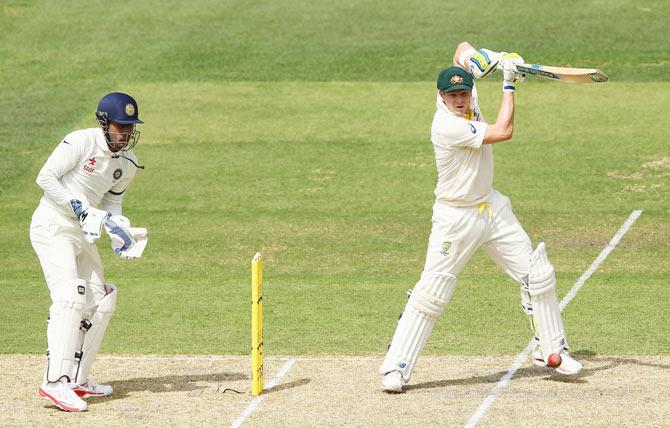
[89,168]
[468,213]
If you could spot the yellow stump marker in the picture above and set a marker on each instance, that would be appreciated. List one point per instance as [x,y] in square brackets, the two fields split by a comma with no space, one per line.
[257,324]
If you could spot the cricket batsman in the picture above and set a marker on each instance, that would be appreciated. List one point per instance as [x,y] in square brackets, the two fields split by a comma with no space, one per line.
[89,168]
[469,213]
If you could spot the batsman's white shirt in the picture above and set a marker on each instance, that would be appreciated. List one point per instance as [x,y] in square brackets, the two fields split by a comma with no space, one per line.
[464,163]
[80,167]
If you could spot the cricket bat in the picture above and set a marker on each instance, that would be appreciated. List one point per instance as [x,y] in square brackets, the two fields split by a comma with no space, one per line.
[564,74]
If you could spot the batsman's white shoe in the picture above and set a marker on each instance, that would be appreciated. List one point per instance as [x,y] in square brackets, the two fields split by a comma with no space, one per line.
[62,395]
[92,389]
[392,382]
[569,366]
[538,360]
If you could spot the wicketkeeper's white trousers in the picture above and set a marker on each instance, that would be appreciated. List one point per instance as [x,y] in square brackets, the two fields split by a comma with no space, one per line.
[64,254]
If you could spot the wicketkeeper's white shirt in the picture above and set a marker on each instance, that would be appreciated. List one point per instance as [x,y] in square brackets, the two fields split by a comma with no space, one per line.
[82,167]
[464,163]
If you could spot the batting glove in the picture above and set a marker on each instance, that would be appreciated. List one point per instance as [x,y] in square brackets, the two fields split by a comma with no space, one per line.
[480,63]
[508,63]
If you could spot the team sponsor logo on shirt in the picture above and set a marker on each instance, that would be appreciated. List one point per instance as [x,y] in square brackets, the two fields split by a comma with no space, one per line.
[446,245]
[472,128]
[89,165]
[117,173]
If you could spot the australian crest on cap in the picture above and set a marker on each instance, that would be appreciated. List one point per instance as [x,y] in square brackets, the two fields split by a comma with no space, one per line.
[130,110]
[456,79]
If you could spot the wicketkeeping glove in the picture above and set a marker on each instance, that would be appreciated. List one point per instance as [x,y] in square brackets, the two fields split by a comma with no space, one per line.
[90,220]
[127,242]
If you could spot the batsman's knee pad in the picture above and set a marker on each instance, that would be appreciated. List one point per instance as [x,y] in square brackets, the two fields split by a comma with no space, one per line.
[425,304]
[541,275]
[65,316]
[432,294]
[92,332]
[546,313]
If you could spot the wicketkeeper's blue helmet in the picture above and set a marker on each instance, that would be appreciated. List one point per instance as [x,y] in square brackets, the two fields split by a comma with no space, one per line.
[119,108]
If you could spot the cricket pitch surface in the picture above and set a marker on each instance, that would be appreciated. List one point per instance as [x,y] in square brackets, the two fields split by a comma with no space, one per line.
[344,391]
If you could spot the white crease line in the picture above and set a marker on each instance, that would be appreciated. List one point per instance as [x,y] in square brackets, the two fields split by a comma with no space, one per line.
[523,356]
[257,400]
[601,258]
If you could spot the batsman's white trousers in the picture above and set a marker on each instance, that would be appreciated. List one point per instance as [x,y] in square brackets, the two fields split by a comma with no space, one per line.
[459,231]
[456,234]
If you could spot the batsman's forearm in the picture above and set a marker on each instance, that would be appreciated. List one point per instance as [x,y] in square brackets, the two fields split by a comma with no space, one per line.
[460,50]
[505,117]
[503,129]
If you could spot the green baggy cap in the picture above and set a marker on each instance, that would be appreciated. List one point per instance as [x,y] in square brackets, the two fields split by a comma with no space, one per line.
[453,79]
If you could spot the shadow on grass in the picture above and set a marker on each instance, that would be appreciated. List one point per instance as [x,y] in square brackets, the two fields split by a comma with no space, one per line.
[592,365]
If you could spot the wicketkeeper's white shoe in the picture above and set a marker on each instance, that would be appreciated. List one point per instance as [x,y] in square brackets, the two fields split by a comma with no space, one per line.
[92,389]
[569,366]
[62,395]
[392,382]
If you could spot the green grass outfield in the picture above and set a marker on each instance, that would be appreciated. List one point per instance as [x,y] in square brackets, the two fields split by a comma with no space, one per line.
[304,133]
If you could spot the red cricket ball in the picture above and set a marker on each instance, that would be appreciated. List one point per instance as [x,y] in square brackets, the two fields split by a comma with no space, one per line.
[554,360]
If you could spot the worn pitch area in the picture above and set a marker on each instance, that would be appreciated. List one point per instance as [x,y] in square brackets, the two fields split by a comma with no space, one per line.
[343,391]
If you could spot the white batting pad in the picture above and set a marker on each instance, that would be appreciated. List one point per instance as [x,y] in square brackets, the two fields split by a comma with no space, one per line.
[549,324]
[63,329]
[410,337]
[93,337]
[541,277]
[527,307]
[546,311]
[425,304]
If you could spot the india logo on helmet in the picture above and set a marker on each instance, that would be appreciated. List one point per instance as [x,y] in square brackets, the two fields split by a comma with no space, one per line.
[130,110]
